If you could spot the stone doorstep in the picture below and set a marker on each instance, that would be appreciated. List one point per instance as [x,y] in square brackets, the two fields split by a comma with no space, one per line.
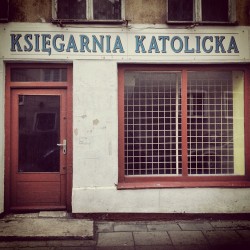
[40,228]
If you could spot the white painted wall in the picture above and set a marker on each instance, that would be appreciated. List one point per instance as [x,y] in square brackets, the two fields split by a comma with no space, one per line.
[182,200]
[95,124]
[95,164]
[2,91]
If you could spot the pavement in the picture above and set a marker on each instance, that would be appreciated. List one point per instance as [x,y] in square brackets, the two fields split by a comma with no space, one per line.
[59,231]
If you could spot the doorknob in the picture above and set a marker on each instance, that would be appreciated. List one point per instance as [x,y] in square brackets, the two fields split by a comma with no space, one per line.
[64,146]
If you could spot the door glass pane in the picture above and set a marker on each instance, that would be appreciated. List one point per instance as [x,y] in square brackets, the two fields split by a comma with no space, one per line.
[39,133]
[151,117]
[107,9]
[38,75]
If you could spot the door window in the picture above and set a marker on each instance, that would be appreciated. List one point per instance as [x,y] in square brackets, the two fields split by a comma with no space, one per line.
[39,133]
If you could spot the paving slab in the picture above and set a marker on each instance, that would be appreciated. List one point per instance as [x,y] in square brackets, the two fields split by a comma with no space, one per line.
[189,226]
[115,239]
[66,248]
[245,235]
[163,226]
[187,238]
[196,247]
[223,238]
[151,238]
[154,248]
[231,225]
[46,228]
[116,248]
[48,244]
[104,227]
[128,227]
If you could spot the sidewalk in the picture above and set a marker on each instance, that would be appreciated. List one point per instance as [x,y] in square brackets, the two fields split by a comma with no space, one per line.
[139,235]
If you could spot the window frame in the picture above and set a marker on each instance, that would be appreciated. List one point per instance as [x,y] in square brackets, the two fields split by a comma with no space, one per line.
[197,14]
[89,15]
[185,180]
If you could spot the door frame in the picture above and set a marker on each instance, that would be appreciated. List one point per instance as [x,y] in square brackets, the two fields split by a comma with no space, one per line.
[9,86]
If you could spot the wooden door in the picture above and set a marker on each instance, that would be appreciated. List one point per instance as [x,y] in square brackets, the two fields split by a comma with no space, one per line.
[38,148]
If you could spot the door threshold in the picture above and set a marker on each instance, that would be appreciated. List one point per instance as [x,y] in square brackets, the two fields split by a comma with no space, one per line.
[36,208]
[40,214]
[53,214]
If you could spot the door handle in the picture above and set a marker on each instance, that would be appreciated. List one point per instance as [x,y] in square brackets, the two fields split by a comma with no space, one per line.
[64,146]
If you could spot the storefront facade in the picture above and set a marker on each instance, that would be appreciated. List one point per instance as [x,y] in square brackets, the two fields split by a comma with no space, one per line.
[126,115]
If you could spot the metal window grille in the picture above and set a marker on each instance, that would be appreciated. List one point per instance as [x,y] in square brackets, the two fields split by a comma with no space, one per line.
[210,123]
[152,132]
[153,118]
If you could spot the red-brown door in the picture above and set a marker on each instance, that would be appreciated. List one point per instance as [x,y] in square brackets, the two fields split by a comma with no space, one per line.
[38,148]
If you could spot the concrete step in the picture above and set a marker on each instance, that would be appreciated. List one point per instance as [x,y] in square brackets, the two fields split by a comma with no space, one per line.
[45,226]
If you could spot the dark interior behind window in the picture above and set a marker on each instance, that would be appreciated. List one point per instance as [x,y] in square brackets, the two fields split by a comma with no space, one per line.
[215,11]
[180,10]
[4,10]
[107,9]
[71,9]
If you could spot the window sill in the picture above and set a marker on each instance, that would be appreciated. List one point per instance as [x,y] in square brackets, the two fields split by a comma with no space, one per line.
[84,21]
[182,184]
[192,23]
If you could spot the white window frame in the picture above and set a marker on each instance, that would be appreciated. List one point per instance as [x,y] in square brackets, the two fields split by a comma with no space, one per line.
[197,14]
[89,12]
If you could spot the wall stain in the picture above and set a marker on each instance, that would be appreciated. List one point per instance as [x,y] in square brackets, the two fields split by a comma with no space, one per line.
[76,131]
[95,122]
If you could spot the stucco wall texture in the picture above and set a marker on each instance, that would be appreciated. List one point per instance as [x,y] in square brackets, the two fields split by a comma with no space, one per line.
[139,11]
[30,10]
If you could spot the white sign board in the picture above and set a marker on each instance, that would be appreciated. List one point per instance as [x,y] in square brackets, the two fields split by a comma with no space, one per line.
[46,41]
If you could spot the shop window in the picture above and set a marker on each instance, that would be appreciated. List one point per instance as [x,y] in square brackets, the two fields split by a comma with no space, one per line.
[185,124]
[4,10]
[201,11]
[88,10]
